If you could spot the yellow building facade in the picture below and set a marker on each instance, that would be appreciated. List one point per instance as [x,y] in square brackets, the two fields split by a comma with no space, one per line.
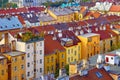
[3,68]
[55,55]
[16,65]
[54,61]
[73,53]
[90,45]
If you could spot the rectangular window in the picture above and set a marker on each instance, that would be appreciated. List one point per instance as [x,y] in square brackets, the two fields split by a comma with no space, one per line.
[47,60]
[68,51]
[28,55]
[28,47]
[15,68]
[40,43]
[51,59]
[15,59]
[52,67]
[28,74]
[16,78]
[22,57]
[48,69]
[2,62]
[22,66]
[2,72]
[68,59]
[62,64]
[28,64]
[40,61]
[40,70]
[40,52]
[22,76]
[62,55]
[75,53]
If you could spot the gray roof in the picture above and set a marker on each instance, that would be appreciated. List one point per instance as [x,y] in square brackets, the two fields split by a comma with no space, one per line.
[113,68]
[2,57]
[15,53]
[89,35]
[45,17]
[59,11]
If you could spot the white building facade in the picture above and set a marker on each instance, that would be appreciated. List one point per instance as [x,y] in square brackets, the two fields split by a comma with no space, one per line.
[34,58]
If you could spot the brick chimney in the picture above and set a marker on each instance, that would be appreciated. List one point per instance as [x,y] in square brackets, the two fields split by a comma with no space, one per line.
[6,38]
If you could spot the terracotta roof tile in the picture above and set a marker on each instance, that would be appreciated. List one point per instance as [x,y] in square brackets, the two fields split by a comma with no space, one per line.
[92,75]
[52,45]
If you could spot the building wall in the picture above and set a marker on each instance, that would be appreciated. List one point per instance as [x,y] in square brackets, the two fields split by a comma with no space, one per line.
[3,69]
[89,48]
[15,71]
[54,61]
[72,69]
[61,58]
[39,58]
[73,53]
[50,62]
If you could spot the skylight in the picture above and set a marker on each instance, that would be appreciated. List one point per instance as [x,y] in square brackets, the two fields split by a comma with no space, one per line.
[98,74]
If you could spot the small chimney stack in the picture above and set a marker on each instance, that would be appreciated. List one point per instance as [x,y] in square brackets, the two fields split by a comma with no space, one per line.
[6,38]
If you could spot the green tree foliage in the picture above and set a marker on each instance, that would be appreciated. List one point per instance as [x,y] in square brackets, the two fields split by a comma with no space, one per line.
[67,69]
[27,36]
[13,5]
[57,73]
[53,4]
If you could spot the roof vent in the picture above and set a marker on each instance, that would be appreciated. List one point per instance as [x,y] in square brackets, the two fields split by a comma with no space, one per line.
[96,29]
[83,72]
[111,26]
[76,33]
[59,34]
[81,32]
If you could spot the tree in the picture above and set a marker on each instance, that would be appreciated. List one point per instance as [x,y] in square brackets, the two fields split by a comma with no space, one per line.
[67,69]
[13,5]
[57,73]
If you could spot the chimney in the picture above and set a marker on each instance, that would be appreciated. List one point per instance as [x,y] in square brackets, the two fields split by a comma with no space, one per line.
[6,38]
[83,72]
[13,45]
[99,65]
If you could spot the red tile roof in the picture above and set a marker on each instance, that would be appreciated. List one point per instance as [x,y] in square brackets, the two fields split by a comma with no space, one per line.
[52,45]
[13,10]
[36,9]
[92,75]
[111,54]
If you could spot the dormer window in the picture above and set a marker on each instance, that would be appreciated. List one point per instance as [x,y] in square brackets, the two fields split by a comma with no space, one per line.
[17,24]
[5,26]
[1,27]
[13,25]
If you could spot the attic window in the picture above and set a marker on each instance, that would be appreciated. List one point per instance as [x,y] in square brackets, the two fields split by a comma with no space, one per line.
[5,26]
[98,74]
[9,19]
[13,25]
[17,24]
[1,27]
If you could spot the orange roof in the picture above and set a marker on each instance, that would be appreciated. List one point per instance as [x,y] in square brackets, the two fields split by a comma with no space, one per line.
[115,8]
[117,26]
[92,75]
[52,45]
[96,14]
[83,9]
